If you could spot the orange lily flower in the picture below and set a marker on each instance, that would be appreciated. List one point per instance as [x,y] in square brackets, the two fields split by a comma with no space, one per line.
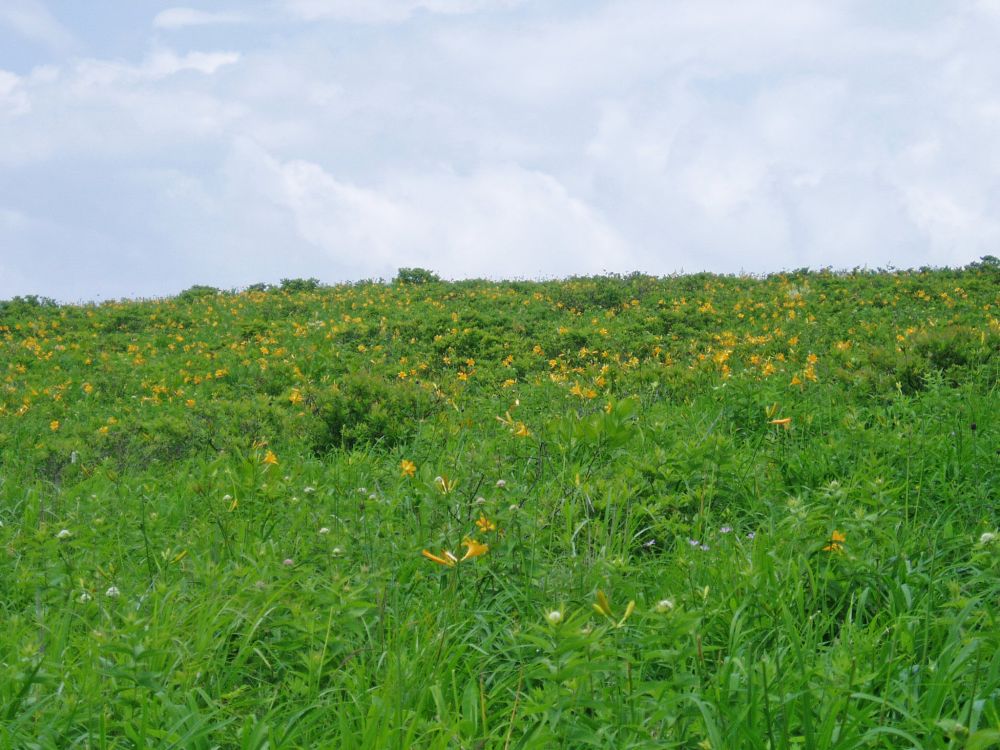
[474,548]
[836,542]
[449,559]
[484,524]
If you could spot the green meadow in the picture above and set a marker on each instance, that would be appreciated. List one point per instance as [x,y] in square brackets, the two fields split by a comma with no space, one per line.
[606,512]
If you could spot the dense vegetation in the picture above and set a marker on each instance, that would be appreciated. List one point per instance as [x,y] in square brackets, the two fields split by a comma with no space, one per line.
[698,511]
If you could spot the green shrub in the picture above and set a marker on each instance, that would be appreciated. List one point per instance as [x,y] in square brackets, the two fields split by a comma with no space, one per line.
[363,408]
[197,292]
[415,276]
[299,285]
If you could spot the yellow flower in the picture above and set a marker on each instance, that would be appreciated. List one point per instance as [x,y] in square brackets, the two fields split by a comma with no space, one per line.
[785,422]
[484,524]
[521,430]
[447,560]
[54,425]
[295,396]
[270,459]
[836,542]
[473,548]
[407,468]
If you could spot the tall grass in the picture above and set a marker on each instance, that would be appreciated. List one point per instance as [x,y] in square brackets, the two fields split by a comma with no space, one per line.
[670,563]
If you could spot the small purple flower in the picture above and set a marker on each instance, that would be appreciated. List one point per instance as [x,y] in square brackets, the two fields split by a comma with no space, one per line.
[751,535]
[693,542]
[726,529]
[288,562]
[703,547]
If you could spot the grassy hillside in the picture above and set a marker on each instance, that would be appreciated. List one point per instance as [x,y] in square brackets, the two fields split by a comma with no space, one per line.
[697,511]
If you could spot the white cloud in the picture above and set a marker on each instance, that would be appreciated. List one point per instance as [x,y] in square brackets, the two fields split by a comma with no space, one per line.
[157,66]
[114,110]
[950,220]
[390,11]
[179,18]
[501,220]
[990,8]
[32,20]
[13,99]
[511,139]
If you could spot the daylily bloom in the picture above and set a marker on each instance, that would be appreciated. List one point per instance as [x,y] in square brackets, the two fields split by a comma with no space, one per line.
[407,468]
[784,422]
[270,459]
[836,542]
[448,559]
[484,524]
[474,548]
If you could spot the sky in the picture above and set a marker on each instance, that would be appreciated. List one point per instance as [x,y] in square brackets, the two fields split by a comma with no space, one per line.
[146,147]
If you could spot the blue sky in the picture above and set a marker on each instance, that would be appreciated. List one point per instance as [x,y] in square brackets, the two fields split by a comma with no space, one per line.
[146,147]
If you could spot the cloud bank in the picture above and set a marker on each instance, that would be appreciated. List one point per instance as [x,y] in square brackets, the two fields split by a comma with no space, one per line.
[492,138]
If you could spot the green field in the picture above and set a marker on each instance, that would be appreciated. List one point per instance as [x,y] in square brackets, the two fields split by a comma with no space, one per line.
[695,512]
